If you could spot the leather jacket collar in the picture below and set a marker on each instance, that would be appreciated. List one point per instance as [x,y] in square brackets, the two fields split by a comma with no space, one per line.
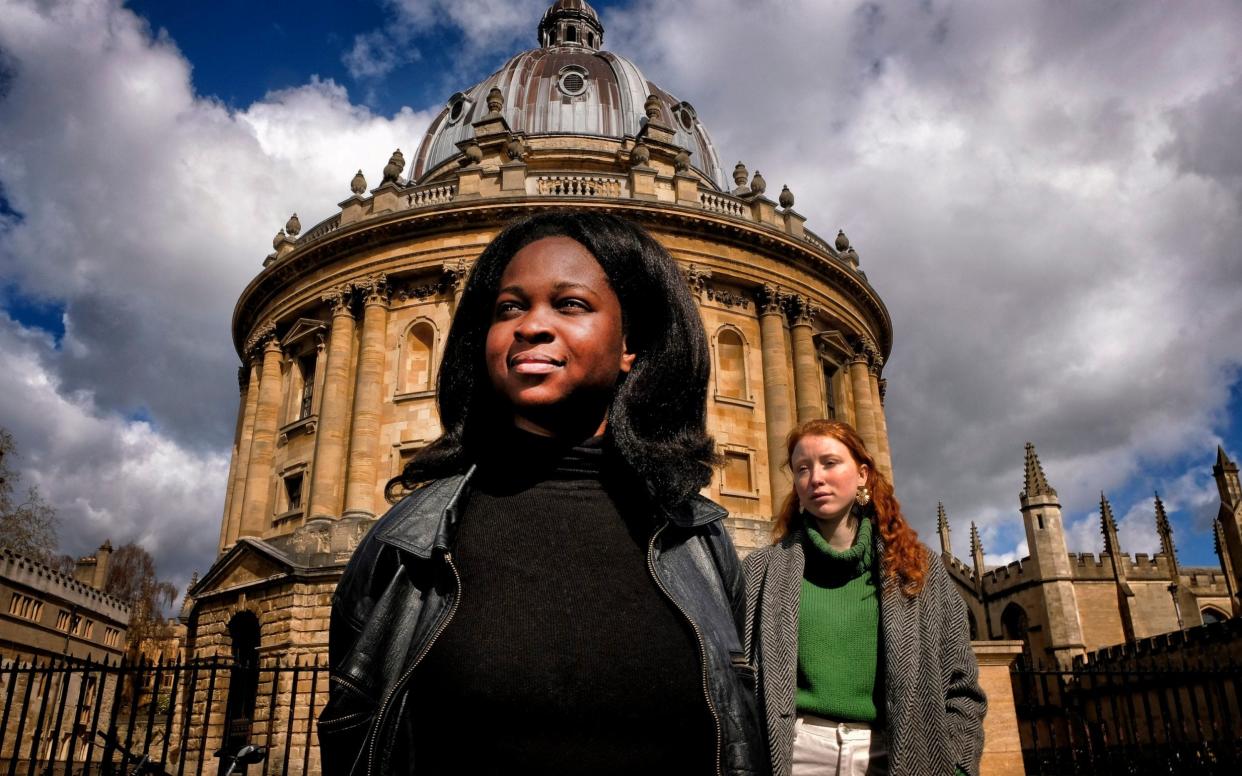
[414,526]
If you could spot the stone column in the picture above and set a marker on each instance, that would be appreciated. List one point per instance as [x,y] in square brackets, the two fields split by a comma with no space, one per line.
[364,440]
[1002,746]
[805,360]
[778,416]
[332,433]
[241,458]
[257,506]
[864,413]
[883,456]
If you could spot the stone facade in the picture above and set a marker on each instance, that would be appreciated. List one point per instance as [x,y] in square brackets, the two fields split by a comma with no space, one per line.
[45,614]
[1064,605]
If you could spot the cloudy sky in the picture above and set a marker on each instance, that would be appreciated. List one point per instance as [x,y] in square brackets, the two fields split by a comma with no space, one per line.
[1047,196]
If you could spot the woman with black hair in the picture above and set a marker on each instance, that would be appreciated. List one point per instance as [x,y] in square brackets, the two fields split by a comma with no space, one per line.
[553,596]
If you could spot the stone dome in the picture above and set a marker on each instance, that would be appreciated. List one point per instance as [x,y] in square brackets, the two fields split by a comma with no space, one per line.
[568,86]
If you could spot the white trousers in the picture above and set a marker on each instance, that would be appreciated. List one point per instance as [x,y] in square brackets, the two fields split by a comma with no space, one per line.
[823,747]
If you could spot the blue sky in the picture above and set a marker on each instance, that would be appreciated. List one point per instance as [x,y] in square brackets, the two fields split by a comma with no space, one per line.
[1042,193]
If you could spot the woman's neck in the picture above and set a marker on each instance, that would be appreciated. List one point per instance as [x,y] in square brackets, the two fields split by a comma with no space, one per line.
[840,531]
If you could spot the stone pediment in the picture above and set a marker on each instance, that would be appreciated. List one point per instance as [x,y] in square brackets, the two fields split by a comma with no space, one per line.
[302,329]
[833,345]
[250,560]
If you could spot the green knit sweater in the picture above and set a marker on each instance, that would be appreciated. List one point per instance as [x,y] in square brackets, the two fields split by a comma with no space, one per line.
[839,667]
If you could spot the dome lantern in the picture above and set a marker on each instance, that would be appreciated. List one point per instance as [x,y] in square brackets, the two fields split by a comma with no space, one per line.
[571,23]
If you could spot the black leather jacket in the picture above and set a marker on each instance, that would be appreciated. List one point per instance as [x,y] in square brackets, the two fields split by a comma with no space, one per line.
[400,591]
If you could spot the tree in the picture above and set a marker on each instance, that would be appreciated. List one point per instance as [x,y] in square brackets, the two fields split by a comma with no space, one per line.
[27,522]
[131,578]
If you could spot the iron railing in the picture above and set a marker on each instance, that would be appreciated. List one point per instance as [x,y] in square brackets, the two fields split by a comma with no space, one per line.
[81,718]
[1179,718]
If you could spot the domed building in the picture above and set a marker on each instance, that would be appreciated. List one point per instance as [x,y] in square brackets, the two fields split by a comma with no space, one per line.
[341,331]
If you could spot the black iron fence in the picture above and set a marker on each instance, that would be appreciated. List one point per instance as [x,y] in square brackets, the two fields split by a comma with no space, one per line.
[188,717]
[1180,718]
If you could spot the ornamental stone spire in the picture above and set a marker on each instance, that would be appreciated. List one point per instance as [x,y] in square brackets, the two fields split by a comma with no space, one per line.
[1125,594]
[1165,532]
[942,526]
[1108,526]
[976,550]
[1036,482]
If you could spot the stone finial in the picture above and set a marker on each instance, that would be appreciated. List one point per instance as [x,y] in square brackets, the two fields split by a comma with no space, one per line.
[473,154]
[843,242]
[1108,526]
[495,102]
[652,107]
[293,225]
[682,161]
[1036,482]
[757,184]
[279,238]
[740,174]
[976,549]
[515,149]
[786,199]
[392,170]
[942,527]
[640,155]
[358,185]
[1165,531]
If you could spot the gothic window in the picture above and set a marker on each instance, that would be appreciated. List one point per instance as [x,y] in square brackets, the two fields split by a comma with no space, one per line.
[1015,626]
[731,365]
[63,618]
[1211,614]
[26,607]
[417,358]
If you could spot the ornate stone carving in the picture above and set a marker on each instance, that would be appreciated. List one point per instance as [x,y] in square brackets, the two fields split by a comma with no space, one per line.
[865,349]
[454,274]
[260,338]
[358,185]
[801,310]
[374,288]
[338,298]
[786,198]
[652,107]
[515,149]
[883,389]
[471,154]
[757,184]
[770,299]
[682,161]
[392,170]
[877,363]
[640,156]
[495,102]
[696,278]
[728,297]
[740,174]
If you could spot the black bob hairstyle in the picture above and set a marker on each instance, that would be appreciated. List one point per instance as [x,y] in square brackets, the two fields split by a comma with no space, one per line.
[657,421]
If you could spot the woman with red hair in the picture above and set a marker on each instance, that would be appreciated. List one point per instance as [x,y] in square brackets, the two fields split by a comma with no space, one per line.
[861,642]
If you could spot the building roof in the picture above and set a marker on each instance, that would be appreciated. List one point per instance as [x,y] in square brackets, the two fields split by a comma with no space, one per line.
[567,86]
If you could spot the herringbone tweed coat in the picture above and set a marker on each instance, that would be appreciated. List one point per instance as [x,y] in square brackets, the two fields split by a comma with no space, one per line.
[934,705]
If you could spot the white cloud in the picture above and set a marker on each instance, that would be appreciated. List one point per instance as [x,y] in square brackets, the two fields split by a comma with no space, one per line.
[144,210]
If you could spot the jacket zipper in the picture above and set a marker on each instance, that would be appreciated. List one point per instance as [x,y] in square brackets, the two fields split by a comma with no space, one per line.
[379,719]
[698,635]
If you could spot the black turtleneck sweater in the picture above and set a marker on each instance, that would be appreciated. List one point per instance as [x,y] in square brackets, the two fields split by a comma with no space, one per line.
[563,655]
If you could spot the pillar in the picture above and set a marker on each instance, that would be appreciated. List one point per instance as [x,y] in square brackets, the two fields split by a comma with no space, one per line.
[883,456]
[332,432]
[805,361]
[257,507]
[455,275]
[241,457]
[864,413]
[364,441]
[778,416]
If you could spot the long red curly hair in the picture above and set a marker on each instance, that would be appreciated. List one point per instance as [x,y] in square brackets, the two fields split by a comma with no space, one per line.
[905,558]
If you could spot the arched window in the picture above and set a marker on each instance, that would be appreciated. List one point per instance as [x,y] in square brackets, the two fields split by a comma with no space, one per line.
[416,361]
[1015,626]
[243,679]
[731,365]
[1211,614]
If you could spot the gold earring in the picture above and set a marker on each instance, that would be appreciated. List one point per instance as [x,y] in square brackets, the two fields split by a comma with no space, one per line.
[863,496]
